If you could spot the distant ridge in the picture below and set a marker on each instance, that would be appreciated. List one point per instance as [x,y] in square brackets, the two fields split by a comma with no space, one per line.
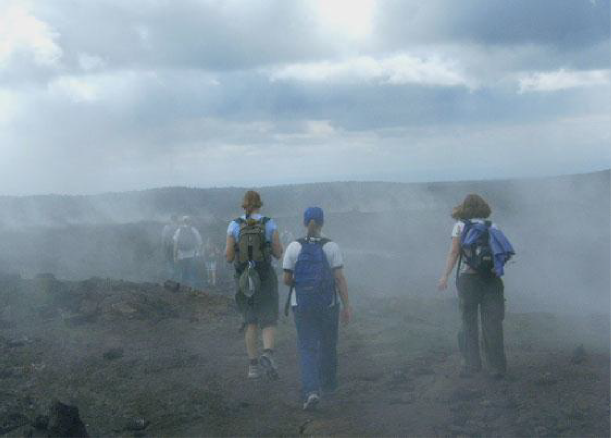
[284,200]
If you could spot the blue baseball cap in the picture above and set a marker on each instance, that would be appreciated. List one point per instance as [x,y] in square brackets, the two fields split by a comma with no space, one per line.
[313,213]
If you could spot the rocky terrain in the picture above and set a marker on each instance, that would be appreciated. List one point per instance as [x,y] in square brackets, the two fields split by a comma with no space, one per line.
[141,359]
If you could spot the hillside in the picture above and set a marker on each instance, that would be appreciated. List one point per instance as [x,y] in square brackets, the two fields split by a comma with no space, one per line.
[222,203]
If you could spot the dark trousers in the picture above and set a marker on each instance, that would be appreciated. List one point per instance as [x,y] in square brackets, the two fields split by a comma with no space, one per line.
[483,296]
[317,341]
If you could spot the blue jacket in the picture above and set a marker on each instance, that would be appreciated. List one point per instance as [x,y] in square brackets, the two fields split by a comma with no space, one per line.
[499,244]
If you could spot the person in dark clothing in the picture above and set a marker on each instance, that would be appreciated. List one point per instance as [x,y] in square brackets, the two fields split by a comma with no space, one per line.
[480,294]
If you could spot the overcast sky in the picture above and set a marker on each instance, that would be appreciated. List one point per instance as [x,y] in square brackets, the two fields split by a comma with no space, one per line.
[113,95]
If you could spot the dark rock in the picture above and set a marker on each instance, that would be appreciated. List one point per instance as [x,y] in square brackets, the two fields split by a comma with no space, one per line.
[113,354]
[172,286]
[65,421]
[41,422]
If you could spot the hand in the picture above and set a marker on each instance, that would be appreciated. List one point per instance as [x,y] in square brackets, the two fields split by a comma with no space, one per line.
[346,315]
[443,283]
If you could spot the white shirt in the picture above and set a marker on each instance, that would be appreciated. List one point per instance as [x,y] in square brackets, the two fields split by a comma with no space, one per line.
[330,249]
[181,254]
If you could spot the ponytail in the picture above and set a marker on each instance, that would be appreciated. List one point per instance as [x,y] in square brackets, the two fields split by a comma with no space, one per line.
[313,229]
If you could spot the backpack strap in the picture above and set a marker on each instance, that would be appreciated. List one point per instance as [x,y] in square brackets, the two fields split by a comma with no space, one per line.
[287,306]
[467,223]
[322,241]
[458,268]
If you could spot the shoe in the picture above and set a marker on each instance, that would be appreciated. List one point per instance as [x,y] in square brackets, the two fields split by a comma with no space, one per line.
[311,402]
[269,366]
[254,372]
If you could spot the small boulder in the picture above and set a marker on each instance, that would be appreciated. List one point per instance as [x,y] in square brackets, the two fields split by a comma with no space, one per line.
[171,285]
[136,424]
[65,421]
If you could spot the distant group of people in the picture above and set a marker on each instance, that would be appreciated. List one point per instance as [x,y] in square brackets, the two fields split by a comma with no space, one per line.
[313,269]
[184,253]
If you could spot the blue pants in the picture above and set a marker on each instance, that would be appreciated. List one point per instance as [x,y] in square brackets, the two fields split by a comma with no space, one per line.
[187,271]
[317,342]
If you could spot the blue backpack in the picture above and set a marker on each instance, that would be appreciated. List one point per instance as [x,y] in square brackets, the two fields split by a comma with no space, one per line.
[484,248]
[314,281]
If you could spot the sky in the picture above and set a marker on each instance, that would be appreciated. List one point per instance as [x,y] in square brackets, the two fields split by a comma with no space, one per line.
[115,95]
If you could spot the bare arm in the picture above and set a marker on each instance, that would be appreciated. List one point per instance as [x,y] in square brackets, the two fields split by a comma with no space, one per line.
[276,245]
[230,249]
[451,260]
[342,288]
[288,278]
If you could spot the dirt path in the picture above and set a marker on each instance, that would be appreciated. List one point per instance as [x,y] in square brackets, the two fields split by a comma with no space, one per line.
[177,361]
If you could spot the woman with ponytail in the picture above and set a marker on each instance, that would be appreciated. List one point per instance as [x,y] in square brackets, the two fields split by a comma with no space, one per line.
[313,268]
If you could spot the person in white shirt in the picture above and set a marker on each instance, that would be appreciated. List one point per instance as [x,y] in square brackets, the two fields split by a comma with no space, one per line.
[478,293]
[313,266]
[187,248]
[167,247]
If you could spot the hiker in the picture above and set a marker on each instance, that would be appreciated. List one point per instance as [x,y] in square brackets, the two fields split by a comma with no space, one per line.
[187,247]
[252,241]
[313,269]
[211,253]
[481,250]
[167,247]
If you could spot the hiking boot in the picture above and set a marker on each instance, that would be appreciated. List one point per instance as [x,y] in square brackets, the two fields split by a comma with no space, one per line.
[253,372]
[269,366]
[311,402]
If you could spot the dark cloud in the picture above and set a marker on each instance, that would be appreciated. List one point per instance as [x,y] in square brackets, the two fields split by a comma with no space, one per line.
[565,24]
[133,94]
